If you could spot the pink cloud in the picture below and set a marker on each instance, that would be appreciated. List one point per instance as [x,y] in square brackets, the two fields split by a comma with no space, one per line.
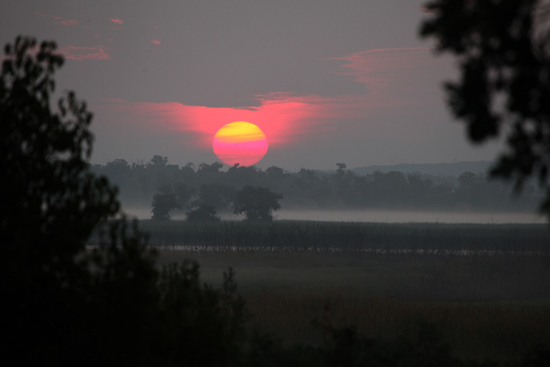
[156,42]
[117,21]
[85,53]
[71,23]
[396,76]
[396,79]
[281,116]
[379,60]
[61,20]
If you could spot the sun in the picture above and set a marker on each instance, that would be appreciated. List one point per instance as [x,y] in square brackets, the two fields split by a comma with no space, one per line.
[240,142]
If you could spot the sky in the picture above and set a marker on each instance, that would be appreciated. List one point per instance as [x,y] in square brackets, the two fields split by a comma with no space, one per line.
[326,81]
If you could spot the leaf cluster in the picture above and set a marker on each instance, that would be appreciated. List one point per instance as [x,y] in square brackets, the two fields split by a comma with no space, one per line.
[504,85]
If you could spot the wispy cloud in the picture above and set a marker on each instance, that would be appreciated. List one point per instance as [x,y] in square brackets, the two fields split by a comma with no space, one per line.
[281,116]
[394,78]
[85,53]
[71,23]
[156,42]
[61,20]
[117,21]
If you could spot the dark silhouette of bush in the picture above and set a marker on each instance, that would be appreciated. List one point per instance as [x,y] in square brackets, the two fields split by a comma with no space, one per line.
[64,304]
[162,204]
[203,213]
[257,203]
[184,194]
[219,196]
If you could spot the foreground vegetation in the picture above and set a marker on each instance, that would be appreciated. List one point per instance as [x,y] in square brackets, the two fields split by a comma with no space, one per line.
[482,307]
[484,289]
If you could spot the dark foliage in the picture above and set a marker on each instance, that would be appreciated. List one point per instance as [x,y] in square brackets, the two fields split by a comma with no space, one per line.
[64,304]
[184,194]
[162,204]
[504,87]
[203,213]
[218,195]
[314,189]
[257,203]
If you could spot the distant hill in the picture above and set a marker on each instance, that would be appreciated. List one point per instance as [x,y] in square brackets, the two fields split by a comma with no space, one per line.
[435,169]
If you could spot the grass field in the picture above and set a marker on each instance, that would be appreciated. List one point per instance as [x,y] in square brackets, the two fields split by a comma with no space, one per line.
[492,301]
[349,236]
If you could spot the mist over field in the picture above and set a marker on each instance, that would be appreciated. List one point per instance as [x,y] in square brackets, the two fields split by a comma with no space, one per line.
[377,216]
[434,193]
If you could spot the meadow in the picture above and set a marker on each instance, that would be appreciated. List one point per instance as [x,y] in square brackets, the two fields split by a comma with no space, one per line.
[484,288]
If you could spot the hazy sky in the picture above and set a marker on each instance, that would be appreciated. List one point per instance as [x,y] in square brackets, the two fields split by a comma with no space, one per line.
[327,81]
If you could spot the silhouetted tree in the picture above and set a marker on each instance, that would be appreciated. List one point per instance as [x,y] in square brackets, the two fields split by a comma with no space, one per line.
[50,204]
[389,189]
[209,173]
[158,161]
[203,213]
[257,203]
[64,304]
[275,171]
[504,52]
[186,174]
[162,204]
[238,176]
[419,189]
[184,194]
[341,168]
[217,195]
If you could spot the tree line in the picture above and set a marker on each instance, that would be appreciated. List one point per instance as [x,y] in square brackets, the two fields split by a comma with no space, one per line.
[210,184]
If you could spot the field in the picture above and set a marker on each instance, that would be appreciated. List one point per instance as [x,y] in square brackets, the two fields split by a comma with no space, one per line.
[485,288]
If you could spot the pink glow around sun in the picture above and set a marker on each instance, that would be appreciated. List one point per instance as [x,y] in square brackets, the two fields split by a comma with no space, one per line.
[240,142]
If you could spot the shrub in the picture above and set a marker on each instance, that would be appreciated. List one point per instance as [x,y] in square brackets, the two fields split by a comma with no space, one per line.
[203,213]
[257,203]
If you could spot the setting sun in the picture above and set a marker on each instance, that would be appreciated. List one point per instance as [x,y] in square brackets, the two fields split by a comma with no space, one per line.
[240,142]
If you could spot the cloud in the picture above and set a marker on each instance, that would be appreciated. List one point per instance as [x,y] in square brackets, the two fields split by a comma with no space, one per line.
[85,53]
[369,62]
[281,116]
[61,20]
[156,42]
[396,79]
[71,23]
[397,76]
[117,21]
